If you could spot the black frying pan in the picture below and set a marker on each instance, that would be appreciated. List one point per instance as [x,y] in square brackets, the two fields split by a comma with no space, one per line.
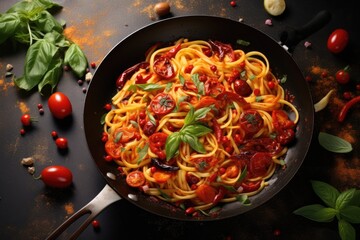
[130,51]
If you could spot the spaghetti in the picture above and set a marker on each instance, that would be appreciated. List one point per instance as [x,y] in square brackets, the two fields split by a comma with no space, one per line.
[199,123]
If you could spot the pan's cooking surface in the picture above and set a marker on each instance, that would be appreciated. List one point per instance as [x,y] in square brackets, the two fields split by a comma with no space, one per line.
[31,211]
[102,88]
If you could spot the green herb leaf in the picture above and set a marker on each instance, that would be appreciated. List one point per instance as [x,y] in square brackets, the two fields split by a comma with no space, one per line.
[346,230]
[194,142]
[201,113]
[142,153]
[243,174]
[102,119]
[351,214]
[9,22]
[75,58]
[168,87]
[172,145]
[197,130]
[57,39]
[199,85]
[283,79]
[333,143]
[151,117]
[242,42]
[317,212]
[244,199]
[45,22]
[189,118]
[53,74]
[326,192]
[344,199]
[149,86]
[182,80]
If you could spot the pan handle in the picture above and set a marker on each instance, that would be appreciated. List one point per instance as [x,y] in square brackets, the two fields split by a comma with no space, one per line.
[106,197]
[291,37]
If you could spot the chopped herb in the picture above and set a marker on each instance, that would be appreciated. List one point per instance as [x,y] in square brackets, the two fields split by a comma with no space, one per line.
[151,117]
[142,153]
[283,79]
[163,194]
[134,123]
[259,98]
[243,42]
[243,198]
[118,137]
[182,80]
[168,87]
[199,85]
[243,74]
[146,87]
[252,77]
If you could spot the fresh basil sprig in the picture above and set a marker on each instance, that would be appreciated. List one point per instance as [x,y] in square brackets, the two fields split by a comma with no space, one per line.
[32,23]
[333,143]
[189,133]
[345,206]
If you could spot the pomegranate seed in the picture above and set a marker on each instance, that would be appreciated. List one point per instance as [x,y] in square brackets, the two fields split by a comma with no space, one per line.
[107,107]
[271,85]
[39,106]
[213,68]
[324,74]
[22,131]
[233,3]
[308,78]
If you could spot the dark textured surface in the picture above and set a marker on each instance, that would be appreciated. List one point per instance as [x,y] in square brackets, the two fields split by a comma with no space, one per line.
[31,211]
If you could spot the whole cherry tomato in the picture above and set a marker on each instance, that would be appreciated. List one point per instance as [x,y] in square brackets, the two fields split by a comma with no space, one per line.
[157,144]
[342,76]
[162,103]
[59,105]
[61,143]
[26,120]
[242,88]
[338,40]
[56,176]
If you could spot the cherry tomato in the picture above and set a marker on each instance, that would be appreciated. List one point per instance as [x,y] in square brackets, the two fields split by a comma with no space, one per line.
[157,144]
[56,176]
[26,120]
[232,171]
[281,120]
[135,179]
[161,176]
[259,164]
[59,105]
[149,128]
[242,88]
[206,193]
[163,67]
[61,143]
[213,87]
[342,76]
[113,149]
[124,134]
[338,40]
[162,103]
[251,121]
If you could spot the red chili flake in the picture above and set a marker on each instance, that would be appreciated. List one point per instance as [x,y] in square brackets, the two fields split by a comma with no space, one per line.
[54,134]
[308,78]
[233,3]
[93,64]
[190,210]
[347,95]
[95,224]
[104,137]
[22,131]
[108,158]
[39,106]
[242,64]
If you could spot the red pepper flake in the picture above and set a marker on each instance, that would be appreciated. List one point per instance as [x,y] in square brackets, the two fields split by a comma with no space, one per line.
[233,3]
[257,92]
[107,107]
[108,158]
[324,74]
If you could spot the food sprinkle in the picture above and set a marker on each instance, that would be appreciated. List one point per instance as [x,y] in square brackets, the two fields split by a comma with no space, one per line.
[69,208]
[268,22]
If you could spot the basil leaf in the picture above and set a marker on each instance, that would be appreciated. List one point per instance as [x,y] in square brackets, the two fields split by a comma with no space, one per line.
[351,214]
[199,85]
[172,145]
[201,113]
[8,24]
[189,119]
[317,212]
[37,61]
[28,6]
[45,22]
[75,58]
[182,80]
[243,42]
[244,199]
[57,39]
[356,199]
[346,230]
[243,174]
[197,130]
[333,143]
[326,192]
[53,74]
[345,198]
[150,86]
[193,142]
[142,153]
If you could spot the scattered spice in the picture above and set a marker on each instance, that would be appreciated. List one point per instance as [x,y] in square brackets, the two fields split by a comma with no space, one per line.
[28,161]
[31,170]
[9,67]
[88,77]
[69,208]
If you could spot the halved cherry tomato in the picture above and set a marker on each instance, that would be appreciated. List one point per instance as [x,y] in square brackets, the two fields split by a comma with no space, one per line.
[163,67]
[59,105]
[161,177]
[204,163]
[157,144]
[162,103]
[113,149]
[232,171]
[281,120]
[259,164]
[228,97]
[124,134]
[213,87]
[56,176]
[338,40]
[251,121]
[135,179]
[206,193]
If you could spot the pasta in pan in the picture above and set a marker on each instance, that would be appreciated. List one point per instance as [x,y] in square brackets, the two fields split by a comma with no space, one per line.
[199,123]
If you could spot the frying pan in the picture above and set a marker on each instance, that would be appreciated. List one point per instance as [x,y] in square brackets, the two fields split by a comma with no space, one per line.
[131,50]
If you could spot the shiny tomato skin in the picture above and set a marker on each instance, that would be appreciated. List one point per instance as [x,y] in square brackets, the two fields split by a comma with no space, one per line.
[342,76]
[59,105]
[163,67]
[161,176]
[157,143]
[135,179]
[259,164]
[242,88]
[113,149]
[26,120]
[251,121]
[61,143]
[57,176]
[206,193]
[338,40]
[162,103]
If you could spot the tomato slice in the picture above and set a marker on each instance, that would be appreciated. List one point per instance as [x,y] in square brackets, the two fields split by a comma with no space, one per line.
[281,120]
[259,164]
[213,88]
[113,149]
[206,193]
[124,134]
[162,103]
[204,163]
[135,179]
[251,121]
[161,177]
[163,67]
